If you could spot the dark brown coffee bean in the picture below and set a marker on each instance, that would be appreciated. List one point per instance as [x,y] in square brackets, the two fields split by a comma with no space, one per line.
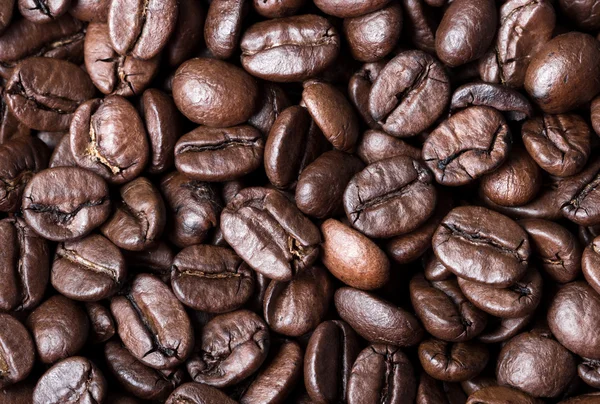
[89,270]
[503,329]
[153,324]
[139,219]
[59,327]
[270,233]
[290,49]
[330,353]
[211,279]
[274,101]
[223,26]
[212,154]
[58,206]
[421,25]
[452,362]
[514,104]
[590,264]
[580,203]
[62,156]
[390,197]
[501,395]
[589,371]
[108,138]
[141,28]
[198,393]
[432,391]
[345,9]
[277,9]
[43,93]
[6,13]
[359,88]
[409,94]
[102,325]
[188,33]
[214,93]
[10,126]
[376,145]
[469,144]
[232,347]
[434,269]
[110,72]
[483,246]
[43,11]
[50,139]
[90,10]
[377,320]
[156,260]
[18,352]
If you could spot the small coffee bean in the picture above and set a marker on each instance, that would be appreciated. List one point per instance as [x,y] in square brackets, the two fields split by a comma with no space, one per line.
[223,26]
[198,393]
[514,104]
[102,325]
[452,362]
[18,352]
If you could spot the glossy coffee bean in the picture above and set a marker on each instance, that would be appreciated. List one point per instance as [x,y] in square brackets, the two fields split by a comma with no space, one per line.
[18,352]
[232,346]
[501,394]
[516,106]
[211,279]
[59,327]
[102,324]
[198,393]
[43,12]
[58,208]
[223,26]
[153,324]
[359,88]
[90,10]
[328,360]
[588,372]
[376,145]
[452,362]
[503,329]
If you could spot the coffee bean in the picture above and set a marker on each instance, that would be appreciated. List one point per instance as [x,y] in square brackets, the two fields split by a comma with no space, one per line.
[588,372]
[102,325]
[452,362]
[359,88]
[10,126]
[420,25]
[274,102]
[584,13]
[42,12]
[18,352]
[376,145]
[198,393]
[156,259]
[501,394]
[188,33]
[90,10]
[345,9]
[503,329]
[223,26]
[62,156]
[513,103]
[580,204]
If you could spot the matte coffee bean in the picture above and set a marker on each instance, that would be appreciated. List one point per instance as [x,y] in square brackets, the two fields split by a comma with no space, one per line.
[223,26]
[18,352]
[211,279]
[232,346]
[345,9]
[503,329]
[296,307]
[214,93]
[481,245]
[376,145]
[48,103]
[560,144]
[198,393]
[139,219]
[501,394]
[153,324]
[359,88]
[102,325]
[466,31]
[381,372]
[452,362]
[444,310]
[528,363]
[141,28]
[290,49]
[90,10]
[59,327]
[270,233]
[330,353]
[469,144]
[108,138]
[514,104]
[321,184]
[377,320]
[89,270]
[360,264]
[409,94]
[59,208]
[274,102]
[557,88]
[213,154]
[45,11]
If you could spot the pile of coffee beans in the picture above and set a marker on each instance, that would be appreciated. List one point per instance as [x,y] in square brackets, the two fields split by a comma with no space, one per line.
[296,201]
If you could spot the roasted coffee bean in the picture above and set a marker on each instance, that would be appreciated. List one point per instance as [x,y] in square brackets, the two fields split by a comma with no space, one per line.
[481,245]
[321,184]
[444,310]
[89,270]
[108,138]
[293,143]
[500,395]
[359,88]
[328,360]
[466,31]
[590,264]
[153,324]
[102,325]
[528,363]
[290,49]
[381,372]
[214,93]
[141,28]
[580,203]
[469,144]
[434,270]
[62,156]
[420,25]
[431,391]
[156,259]
[409,94]
[110,72]
[270,233]
[223,26]
[377,320]
[193,208]
[514,104]
[555,248]
[198,393]
[50,139]
[59,327]
[20,159]
[376,145]
[18,352]
[584,13]
[44,11]
[452,362]
[137,378]
[565,73]
[188,33]
[296,307]
[139,219]
[517,181]
[373,36]
[10,126]
[90,10]
[503,329]
[43,93]
[6,13]
[277,9]
[517,300]
[390,197]
[213,154]
[589,371]
[560,144]
[211,279]
[274,101]
[74,380]
[65,203]
[345,9]
[232,347]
